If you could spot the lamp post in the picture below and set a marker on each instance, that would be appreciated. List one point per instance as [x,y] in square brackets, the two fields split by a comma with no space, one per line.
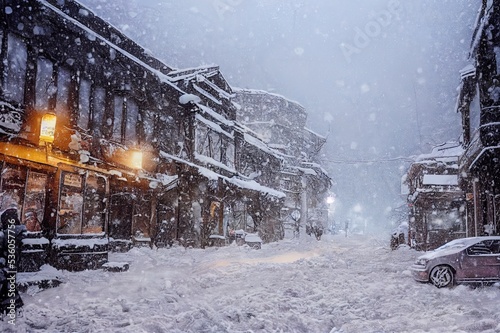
[330,200]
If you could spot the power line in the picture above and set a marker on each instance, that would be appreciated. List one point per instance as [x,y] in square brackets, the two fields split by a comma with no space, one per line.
[381,160]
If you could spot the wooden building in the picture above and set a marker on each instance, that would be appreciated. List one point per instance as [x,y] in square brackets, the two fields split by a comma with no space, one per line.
[104,147]
[436,201]
[479,105]
[281,123]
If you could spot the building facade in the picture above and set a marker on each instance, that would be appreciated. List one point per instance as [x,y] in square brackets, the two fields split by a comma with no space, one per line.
[479,105]
[104,147]
[436,201]
[281,123]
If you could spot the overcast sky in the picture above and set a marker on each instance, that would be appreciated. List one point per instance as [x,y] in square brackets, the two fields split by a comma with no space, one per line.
[379,77]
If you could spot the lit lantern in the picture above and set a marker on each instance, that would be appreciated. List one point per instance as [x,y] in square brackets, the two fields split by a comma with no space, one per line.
[136,159]
[48,128]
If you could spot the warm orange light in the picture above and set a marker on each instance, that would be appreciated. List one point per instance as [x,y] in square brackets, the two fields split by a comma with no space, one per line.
[136,159]
[48,127]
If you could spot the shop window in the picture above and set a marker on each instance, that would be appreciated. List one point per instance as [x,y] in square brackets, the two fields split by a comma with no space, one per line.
[84,104]
[15,69]
[24,189]
[13,186]
[45,88]
[34,203]
[70,204]
[82,204]
[94,212]
[63,86]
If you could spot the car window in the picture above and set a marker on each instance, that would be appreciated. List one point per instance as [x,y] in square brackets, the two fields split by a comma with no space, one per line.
[495,247]
[480,248]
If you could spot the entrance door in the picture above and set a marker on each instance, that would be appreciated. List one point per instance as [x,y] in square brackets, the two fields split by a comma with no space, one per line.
[121,211]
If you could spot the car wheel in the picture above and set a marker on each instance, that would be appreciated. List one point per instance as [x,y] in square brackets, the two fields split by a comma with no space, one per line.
[441,276]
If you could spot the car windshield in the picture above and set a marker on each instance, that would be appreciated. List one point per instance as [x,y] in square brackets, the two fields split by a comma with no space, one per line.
[457,243]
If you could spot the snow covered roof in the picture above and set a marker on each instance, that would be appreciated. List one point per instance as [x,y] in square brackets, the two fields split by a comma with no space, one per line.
[244,184]
[263,92]
[469,70]
[447,152]
[314,133]
[444,180]
[163,77]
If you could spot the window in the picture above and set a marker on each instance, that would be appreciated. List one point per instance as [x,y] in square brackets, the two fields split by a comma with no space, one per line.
[84,104]
[126,119]
[149,126]
[15,68]
[25,189]
[63,86]
[132,114]
[34,202]
[45,88]
[208,142]
[230,155]
[13,184]
[98,105]
[478,249]
[94,212]
[82,203]
[70,204]
[118,118]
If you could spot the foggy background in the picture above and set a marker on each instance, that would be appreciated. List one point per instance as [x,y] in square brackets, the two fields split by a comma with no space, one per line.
[377,77]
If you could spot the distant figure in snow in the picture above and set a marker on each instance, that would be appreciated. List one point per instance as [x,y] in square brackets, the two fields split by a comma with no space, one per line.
[346,227]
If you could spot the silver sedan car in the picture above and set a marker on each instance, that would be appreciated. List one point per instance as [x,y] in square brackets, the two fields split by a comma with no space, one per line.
[464,260]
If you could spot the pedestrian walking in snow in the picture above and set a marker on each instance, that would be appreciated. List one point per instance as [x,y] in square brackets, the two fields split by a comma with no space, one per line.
[346,227]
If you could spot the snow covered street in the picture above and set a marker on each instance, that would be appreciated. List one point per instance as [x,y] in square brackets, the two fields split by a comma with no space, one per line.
[354,284]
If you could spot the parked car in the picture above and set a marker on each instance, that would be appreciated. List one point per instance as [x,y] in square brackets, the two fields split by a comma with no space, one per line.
[464,260]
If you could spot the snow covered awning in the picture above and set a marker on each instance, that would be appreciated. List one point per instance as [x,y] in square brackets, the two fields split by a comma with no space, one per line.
[443,180]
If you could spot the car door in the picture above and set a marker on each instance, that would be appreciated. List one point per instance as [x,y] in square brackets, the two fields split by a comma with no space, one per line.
[481,261]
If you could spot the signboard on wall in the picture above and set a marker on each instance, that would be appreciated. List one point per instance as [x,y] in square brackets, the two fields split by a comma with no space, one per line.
[72,179]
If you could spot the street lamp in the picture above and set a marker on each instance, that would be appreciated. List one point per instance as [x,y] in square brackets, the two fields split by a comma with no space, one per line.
[136,159]
[47,132]
[330,200]
[47,128]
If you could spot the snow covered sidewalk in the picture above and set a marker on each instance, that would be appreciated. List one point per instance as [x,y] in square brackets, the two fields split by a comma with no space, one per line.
[354,284]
